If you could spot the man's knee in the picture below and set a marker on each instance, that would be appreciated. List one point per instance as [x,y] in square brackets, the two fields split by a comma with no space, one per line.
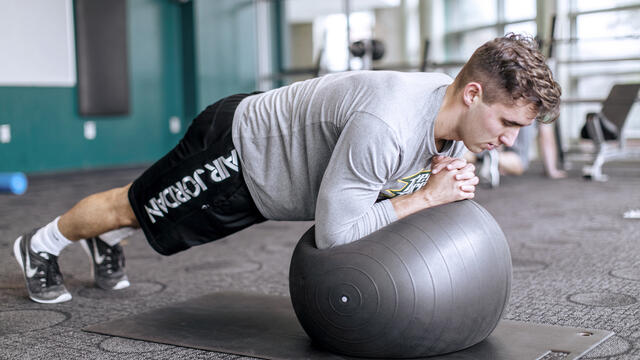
[122,209]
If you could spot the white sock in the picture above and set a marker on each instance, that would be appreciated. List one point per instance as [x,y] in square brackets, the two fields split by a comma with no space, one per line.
[49,239]
[115,236]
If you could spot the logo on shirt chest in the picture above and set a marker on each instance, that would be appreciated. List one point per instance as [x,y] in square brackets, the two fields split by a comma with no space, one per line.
[411,184]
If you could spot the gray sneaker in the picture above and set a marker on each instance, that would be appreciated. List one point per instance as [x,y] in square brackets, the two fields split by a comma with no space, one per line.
[41,272]
[108,264]
[489,172]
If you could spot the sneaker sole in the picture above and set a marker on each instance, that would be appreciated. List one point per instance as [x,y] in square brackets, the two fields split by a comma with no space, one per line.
[122,284]
[18,255]
[119,286]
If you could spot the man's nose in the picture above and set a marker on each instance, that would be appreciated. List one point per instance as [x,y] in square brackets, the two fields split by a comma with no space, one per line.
[509,138]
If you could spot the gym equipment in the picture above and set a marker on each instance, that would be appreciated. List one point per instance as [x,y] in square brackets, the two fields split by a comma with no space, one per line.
[368,50]
[102,57]
[14,183]
[360,48]
[432,283]
[608,124]
[265,326]
[377,49]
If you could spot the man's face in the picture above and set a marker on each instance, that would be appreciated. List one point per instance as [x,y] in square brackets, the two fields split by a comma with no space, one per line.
[488,126]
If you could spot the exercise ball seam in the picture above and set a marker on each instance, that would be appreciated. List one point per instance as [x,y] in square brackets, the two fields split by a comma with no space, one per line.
[490,221]
[478,330]
[464,259]
[483,225]
[433,303]
[441,218]
[426,263]
[447,266]
[413,285]
[508,274]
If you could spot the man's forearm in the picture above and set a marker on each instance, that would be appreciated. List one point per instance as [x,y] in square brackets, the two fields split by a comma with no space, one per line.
[405,205]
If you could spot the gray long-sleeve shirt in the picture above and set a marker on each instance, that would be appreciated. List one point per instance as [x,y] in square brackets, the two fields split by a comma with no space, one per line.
[330,148]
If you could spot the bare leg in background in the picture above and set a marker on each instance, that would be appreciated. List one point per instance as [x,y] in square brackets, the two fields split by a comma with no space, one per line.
[510,163]
[549,152]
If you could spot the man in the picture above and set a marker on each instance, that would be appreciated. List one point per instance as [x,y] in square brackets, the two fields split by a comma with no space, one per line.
[354,151]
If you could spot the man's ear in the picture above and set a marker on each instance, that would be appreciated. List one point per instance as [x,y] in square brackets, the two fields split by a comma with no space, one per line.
[472,93]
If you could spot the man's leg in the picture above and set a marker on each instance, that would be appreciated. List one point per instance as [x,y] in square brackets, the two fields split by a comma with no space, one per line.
[188,205]
[102,220]
[548,149]
[97,214]
[510,163]
[37,251]
[514,160]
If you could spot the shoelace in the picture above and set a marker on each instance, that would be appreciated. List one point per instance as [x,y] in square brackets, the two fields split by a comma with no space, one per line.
[114,258]
[55,276]
[117,255]
[49,270]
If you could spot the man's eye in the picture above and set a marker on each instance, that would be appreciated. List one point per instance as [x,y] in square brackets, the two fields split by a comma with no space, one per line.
[510,124]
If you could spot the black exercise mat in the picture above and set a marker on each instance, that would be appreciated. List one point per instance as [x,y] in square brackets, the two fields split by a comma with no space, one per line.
[265,326]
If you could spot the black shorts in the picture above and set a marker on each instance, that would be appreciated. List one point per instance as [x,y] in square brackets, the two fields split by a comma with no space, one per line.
[196,193]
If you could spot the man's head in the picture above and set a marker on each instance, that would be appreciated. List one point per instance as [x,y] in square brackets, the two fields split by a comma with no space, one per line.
[504,86]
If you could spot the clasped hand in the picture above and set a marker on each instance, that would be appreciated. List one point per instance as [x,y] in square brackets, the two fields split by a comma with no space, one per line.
[451,179]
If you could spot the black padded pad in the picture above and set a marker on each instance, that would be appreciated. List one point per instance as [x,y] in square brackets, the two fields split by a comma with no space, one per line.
[101,48]
[619,102]
[265,326]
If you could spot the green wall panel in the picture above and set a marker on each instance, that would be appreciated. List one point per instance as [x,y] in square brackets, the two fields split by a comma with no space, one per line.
[182,57]
[226,59]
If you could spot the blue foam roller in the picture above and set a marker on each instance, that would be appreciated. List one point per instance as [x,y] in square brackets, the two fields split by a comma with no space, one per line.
[14,183]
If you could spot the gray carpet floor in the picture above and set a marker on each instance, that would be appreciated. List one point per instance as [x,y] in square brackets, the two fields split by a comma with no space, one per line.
[576,263]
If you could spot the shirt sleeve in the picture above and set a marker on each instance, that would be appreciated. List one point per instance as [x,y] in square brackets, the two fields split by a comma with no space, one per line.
[364,158]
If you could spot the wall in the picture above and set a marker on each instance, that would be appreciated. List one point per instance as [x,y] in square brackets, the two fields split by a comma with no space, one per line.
[44,27]
[226,58]
[166,75]
[389,29]
[301,52]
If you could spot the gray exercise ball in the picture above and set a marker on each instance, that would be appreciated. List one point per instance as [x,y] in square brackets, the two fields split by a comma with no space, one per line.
[432,283]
